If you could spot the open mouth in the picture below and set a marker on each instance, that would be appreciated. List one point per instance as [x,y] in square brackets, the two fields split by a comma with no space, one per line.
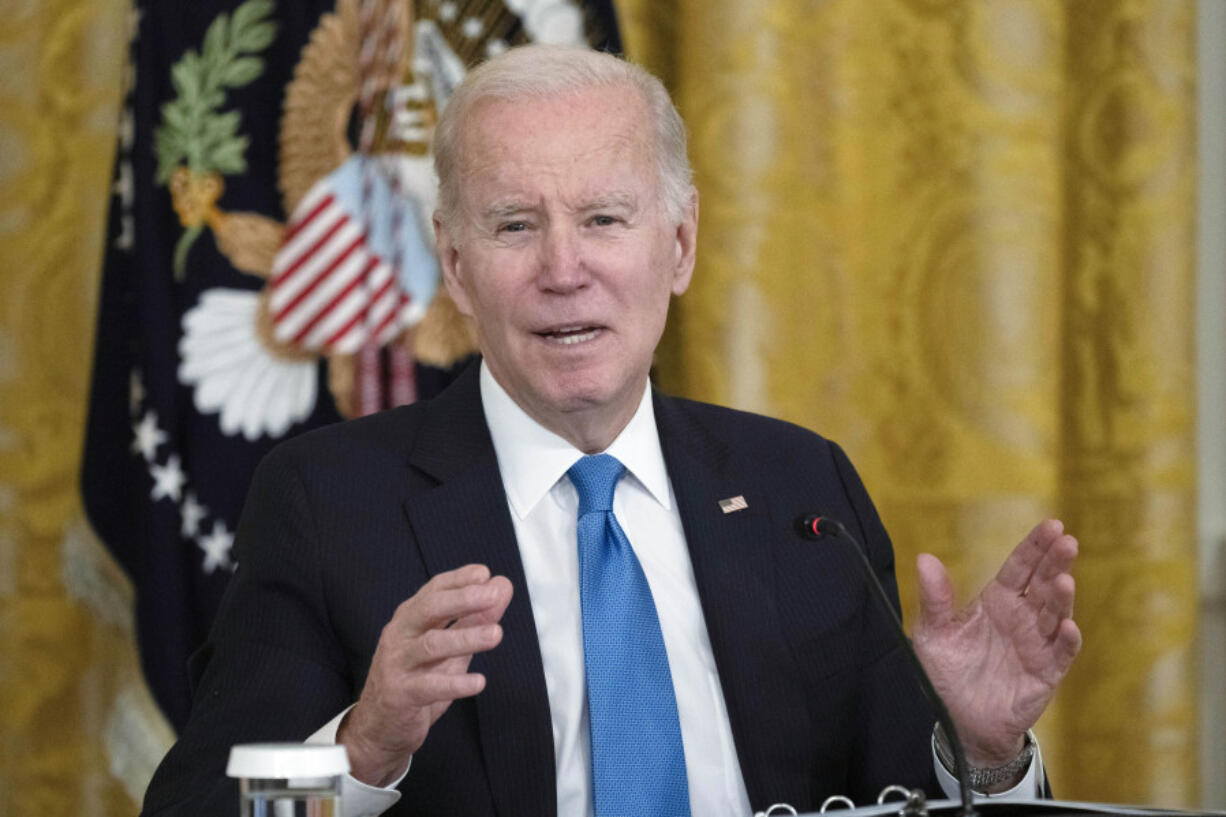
[570,335]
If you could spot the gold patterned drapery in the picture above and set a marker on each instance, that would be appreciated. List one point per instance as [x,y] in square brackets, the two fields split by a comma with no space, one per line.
[79,732]
[955,235]
[958,237]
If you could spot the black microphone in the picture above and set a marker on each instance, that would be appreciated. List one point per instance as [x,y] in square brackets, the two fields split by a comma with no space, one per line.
[814,526]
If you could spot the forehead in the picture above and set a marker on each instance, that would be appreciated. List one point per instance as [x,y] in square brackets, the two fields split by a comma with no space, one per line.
[573,138]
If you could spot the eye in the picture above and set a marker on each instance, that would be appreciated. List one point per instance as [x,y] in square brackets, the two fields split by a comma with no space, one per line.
[604,221]
[513,227]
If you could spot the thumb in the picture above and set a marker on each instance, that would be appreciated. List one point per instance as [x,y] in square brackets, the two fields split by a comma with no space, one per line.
[936,592]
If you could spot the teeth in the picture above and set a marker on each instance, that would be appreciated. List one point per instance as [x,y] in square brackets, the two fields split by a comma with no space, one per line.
[569,337]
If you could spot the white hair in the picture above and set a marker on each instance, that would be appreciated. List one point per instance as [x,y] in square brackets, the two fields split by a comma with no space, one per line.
[546,71]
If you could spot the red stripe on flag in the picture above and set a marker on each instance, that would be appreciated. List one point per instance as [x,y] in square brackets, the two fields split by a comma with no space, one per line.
[295,227]
[361,315]
[284,275]
[340,296]
[392,314]
[319,278]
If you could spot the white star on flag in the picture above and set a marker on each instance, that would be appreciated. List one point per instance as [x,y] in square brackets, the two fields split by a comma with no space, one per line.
[193,512]
[146,436]
[168,479]
[216,547]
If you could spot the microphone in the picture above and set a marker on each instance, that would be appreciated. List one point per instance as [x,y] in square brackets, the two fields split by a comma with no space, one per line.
[814,526]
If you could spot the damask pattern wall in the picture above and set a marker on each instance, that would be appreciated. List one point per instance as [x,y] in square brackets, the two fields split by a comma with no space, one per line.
[955,235]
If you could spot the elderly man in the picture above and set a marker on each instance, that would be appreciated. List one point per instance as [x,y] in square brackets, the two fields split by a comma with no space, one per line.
[553,590]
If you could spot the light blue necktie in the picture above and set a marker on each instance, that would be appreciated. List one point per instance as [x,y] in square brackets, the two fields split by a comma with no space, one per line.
[638,762]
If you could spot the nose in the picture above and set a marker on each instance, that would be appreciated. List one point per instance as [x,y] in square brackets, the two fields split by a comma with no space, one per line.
[562,267]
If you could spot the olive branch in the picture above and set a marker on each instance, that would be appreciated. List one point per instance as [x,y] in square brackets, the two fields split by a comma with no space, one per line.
[196,140]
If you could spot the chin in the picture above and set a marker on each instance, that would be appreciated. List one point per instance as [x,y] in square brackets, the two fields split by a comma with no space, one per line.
[571,392]
[577,399]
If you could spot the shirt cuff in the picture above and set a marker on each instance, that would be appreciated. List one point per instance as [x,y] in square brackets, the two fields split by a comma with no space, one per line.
[359,799]
[1030,787]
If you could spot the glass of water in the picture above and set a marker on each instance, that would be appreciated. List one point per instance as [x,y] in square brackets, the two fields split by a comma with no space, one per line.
[288,779]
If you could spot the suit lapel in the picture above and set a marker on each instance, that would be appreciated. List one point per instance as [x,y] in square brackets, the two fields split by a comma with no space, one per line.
[733,567]
[465,520]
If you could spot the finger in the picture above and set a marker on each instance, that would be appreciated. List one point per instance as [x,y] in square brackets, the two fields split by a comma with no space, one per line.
[1067,644]
[429,689]
[501,590]
[1058,559]
[1017,570]
[460,577]
[936,591]
[1052,584]
[437,645]
[432,607]
[1054,602]
[1057,595]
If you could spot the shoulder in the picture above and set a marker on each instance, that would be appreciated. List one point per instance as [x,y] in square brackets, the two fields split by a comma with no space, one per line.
[453,421]
[347,467]
[742,433]
[387,435]
[766,449]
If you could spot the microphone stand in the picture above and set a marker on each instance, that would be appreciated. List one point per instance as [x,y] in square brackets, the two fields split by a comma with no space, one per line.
[813,526]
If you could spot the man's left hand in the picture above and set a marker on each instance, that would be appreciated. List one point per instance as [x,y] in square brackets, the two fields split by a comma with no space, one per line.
[997,662]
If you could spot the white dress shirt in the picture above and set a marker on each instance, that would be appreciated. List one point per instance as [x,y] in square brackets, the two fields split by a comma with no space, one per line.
[544,510]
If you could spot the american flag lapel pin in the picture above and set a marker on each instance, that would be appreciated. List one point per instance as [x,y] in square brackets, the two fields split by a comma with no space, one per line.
[733,504]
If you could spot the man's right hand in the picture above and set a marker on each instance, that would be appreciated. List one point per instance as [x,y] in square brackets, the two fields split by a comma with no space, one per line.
[420,666]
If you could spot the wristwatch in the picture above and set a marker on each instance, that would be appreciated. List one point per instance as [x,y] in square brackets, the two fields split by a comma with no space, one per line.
[983,777]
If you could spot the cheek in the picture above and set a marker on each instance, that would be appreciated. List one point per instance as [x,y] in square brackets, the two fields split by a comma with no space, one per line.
[497,313]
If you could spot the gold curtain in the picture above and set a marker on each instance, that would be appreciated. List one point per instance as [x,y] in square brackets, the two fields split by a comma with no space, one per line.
[957,236]
[79,731]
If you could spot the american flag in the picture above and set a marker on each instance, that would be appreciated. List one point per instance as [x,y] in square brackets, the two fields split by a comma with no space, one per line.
[333,284]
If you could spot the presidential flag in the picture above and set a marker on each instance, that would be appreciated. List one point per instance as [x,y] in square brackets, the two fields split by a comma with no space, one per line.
[269,228]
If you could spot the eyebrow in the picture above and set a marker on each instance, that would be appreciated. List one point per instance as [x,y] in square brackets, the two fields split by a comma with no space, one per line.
[614,200]
[505,209]
[606,201]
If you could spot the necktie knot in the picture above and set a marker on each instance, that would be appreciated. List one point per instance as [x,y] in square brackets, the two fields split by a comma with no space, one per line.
[595,477]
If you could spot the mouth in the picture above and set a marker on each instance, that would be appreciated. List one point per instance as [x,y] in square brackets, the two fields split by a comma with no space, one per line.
[571,335]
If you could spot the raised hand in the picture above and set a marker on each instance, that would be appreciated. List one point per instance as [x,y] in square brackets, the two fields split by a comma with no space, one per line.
[420,666]
[997,662]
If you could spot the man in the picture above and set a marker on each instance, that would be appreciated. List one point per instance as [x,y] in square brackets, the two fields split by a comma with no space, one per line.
[552,590]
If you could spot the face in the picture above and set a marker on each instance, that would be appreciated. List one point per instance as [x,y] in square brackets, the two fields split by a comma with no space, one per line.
[563,252]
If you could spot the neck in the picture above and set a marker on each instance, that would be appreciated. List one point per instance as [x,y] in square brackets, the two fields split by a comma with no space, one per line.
[590,430]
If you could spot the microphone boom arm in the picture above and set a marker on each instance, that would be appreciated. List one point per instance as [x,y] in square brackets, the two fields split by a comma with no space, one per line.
[813,526]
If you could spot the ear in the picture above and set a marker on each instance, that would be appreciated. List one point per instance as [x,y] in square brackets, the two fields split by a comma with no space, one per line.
[686,245]
[451,266]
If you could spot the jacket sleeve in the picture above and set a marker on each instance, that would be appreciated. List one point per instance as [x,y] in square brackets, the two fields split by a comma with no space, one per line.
[271,669]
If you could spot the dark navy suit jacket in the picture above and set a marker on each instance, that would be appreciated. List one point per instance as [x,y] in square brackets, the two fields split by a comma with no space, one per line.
[343,524]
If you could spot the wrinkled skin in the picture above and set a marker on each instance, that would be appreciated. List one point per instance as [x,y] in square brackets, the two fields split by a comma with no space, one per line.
[996,663]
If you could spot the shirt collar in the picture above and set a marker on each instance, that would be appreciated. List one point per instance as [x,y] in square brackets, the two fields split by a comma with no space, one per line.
[532,458]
